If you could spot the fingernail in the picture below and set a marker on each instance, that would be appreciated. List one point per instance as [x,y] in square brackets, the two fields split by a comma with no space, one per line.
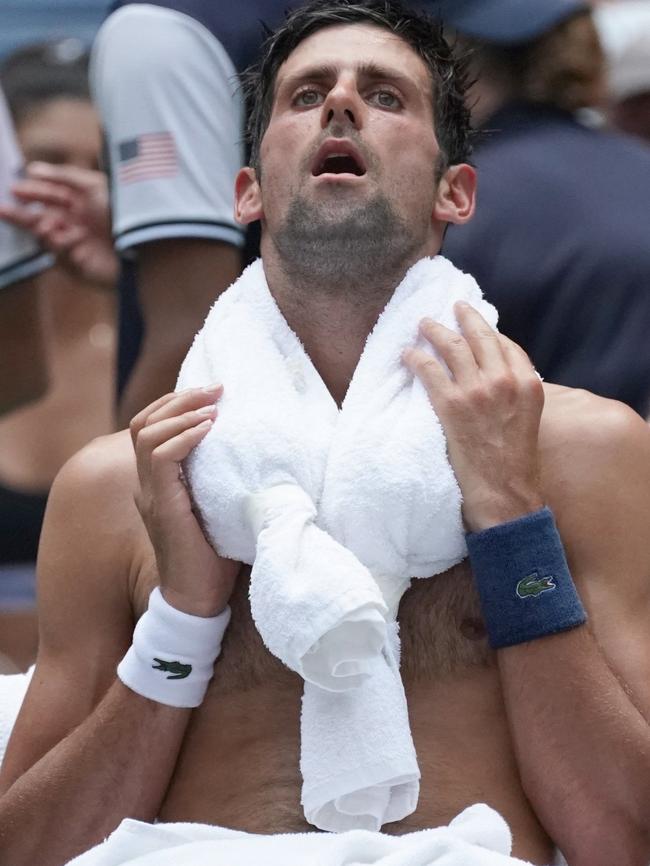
[206,410]
[211,389]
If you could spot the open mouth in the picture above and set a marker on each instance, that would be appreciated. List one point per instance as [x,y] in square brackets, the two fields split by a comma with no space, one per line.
[338,158]
[339,164]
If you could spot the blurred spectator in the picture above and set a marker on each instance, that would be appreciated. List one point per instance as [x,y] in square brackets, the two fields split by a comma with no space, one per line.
[23,373]
[26,22]
[165,81]
[624,29]
[560,242]
[47,92]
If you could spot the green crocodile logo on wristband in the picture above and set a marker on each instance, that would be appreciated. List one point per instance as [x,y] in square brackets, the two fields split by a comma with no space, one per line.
[176,670]
[533,585]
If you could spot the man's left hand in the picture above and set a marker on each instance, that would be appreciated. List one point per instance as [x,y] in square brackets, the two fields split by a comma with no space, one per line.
[489,401]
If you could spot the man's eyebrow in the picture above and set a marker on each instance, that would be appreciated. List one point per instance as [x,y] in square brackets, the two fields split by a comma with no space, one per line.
[375,72]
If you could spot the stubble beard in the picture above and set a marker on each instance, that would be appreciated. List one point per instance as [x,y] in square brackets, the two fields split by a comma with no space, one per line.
[336,249]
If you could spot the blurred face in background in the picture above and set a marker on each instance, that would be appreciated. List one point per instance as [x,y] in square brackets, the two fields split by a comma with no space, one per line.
[62,130]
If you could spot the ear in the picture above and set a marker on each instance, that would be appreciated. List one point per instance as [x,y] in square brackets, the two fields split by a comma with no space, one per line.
[248,197]
[455,199]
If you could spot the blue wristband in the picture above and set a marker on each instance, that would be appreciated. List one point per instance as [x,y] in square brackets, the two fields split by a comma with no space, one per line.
[523,580]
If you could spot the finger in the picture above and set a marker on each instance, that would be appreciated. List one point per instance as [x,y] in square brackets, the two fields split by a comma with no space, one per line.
[530,383]
[482,339]
[154,459]
[429,370]
[453,349]
[516,356]
[169,454]
[63,238]
[138,421]
[43,192]
[172,404]
[23,218]
[49,223]
[74,176]
[186,401]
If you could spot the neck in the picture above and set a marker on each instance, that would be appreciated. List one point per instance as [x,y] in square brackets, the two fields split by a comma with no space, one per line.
[332,314]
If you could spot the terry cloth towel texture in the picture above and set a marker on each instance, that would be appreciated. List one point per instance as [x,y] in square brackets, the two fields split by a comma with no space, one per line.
[336,509]
[478,836]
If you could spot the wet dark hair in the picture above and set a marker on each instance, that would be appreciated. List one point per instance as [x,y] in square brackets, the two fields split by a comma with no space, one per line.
[447,66]
[38,73]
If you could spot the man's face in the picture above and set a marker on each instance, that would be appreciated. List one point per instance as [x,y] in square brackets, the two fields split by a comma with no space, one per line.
[351,137]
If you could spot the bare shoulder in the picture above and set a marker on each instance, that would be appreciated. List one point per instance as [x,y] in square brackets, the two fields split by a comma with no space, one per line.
[581,431]
[92,528]
[87,556]
[104,467]
[595,469]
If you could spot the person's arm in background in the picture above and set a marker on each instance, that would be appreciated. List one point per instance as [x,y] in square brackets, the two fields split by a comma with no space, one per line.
[23,365]
[178,281]
[173,133]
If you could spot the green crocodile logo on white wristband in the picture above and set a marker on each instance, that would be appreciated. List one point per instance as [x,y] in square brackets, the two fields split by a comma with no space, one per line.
[533,585]
[176,670]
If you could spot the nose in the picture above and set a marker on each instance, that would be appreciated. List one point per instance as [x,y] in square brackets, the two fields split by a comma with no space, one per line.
[343,104]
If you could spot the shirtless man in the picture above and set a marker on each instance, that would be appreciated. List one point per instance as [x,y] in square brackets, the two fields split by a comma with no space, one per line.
[552,732]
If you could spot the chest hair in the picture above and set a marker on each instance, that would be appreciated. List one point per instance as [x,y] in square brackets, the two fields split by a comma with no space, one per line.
[441,630]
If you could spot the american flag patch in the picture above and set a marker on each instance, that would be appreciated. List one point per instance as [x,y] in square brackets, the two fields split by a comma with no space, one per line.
[147,157]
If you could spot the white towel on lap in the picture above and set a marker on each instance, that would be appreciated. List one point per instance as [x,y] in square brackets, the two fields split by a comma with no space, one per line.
[477,837]
[336,510]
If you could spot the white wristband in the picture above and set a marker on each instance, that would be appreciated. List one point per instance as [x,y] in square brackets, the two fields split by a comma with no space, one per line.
[171,659]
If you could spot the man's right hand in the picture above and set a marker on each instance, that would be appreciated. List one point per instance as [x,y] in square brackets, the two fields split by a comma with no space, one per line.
[193,578]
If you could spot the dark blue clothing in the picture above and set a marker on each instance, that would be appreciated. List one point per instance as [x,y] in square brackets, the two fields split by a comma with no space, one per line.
[21,517]
[239,29]
[560,244]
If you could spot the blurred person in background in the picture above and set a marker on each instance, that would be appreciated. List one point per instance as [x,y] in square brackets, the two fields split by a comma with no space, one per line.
[47,91]
[173,134]
[624,29]
[23,363]
[23,369]
[561,238]
[165,82]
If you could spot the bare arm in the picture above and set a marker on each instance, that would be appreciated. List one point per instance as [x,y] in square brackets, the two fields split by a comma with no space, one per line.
[23,365]
[85,745]
[581,737]
[579,702]
[178,281]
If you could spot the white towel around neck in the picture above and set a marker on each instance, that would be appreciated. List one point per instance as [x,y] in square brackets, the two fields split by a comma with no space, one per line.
[336,510]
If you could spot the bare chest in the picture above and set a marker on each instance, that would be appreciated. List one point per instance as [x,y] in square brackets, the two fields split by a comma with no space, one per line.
[441,631]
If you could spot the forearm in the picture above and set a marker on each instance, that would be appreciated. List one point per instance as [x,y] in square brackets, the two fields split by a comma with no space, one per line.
[116,764]
[154,373]
[178,281]
[23,365]
[582,746]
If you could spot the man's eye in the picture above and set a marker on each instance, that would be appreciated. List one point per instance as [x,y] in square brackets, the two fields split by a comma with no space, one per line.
[308,97]
[385,99]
